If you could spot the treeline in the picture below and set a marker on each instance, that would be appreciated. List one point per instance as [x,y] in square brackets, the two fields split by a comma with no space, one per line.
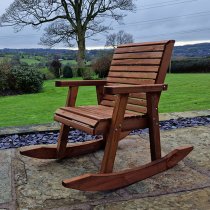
[191,65]
[51,53]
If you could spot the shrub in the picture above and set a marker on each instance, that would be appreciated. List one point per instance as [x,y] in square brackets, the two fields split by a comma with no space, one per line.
[67,71]
[87,73]
[79,71]
[191,65]
[26,79]
[47,75]
[101,65]
[55,68]
[5,74]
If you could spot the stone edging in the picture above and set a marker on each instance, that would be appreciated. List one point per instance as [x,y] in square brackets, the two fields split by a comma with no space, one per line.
[56,126]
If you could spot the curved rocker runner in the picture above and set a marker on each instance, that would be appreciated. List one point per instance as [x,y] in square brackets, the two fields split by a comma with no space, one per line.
[127,100]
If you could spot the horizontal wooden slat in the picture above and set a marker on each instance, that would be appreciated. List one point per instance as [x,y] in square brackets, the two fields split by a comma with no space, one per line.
[135,123]
[135,89]
[83,112]
[135,108]
[130,81]
[72,83]
[100,111]
[136,101]
[76,117]
[133,75]
[74,124]
[136,62]
[108,103]
[109,97]
[138,95]
[134,68]
[145,43]
[138,55]
[150,48]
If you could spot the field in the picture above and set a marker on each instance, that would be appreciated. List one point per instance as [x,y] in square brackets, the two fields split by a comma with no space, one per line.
[185,92]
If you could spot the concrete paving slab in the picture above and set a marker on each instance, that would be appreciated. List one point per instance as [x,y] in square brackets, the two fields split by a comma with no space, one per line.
[186,186]
[197,200]
[5,176]
[199,137]
[38,182]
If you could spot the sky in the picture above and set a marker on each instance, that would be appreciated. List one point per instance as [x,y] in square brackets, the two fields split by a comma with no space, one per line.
[186,21]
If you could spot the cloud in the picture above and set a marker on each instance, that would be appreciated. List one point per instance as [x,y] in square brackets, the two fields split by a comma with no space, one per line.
[182,20]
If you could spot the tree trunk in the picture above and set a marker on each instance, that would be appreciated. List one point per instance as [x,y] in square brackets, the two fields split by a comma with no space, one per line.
[81,50]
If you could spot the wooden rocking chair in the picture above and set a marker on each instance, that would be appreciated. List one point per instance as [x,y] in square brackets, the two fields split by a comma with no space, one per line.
[127,100]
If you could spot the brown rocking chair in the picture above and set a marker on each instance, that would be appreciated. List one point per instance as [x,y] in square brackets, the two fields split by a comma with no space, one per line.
[127,100]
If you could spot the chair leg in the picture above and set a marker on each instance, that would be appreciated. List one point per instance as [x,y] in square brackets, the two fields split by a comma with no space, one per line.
[109,153]
[113,136]
[154,129]
[155,145]
[62,141]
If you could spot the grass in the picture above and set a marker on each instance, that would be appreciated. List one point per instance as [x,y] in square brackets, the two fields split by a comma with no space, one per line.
[71,62]
[186,92]
[29,61]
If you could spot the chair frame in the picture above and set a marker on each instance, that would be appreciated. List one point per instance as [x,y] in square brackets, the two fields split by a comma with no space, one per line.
[106,179]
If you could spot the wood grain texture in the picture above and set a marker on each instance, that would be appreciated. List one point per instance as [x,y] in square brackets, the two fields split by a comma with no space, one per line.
[136,62]
[112,181]
[74,83]
[128,100]
[113,135]
[144,44]
[64,130]
[137,55]
[133,49]
[154,129]
[141,68]
[72,150]
[134,88]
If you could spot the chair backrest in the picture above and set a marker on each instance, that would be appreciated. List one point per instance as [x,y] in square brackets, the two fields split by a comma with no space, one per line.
[138,64]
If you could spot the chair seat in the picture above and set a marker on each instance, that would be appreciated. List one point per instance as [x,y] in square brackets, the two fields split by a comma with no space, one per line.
[96,119]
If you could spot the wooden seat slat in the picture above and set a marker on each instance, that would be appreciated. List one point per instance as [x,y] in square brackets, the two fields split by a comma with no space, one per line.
[77,125]
[81,111]
[76,117]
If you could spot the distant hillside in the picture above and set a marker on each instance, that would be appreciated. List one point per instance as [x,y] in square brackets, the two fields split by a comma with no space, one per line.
[196,50]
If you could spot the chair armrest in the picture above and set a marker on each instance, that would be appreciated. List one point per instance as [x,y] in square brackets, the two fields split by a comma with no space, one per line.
[134,88]
[75,83]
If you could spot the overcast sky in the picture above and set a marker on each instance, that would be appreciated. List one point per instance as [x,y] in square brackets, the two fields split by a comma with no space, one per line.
[186,21]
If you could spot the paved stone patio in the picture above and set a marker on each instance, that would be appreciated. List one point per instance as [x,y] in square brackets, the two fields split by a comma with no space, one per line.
[27,183]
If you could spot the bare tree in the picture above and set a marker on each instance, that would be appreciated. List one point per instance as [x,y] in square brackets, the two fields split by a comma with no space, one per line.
[118,38]
[69,20]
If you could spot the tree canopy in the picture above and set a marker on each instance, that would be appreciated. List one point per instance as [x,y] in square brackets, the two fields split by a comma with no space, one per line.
[67,20]
[118,38]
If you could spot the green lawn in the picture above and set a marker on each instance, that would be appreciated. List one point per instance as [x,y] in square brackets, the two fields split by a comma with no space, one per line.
[185,92]
[71,62]
[29,61]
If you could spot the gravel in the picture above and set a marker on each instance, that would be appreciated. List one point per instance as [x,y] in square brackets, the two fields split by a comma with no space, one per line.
[19,140]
